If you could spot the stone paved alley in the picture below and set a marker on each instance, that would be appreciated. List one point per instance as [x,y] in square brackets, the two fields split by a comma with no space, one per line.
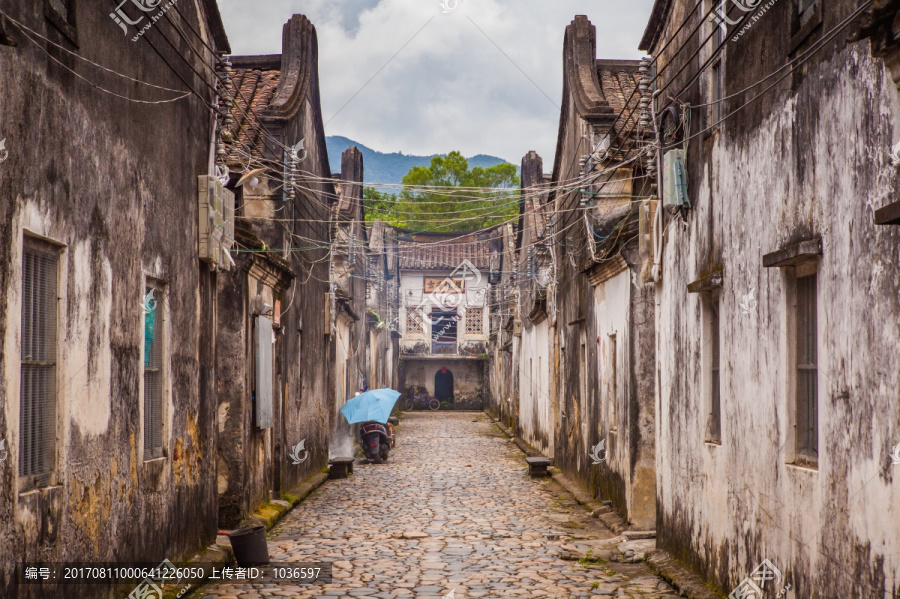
[486,529]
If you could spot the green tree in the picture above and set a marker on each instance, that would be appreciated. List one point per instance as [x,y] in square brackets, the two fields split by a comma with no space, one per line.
[448,196]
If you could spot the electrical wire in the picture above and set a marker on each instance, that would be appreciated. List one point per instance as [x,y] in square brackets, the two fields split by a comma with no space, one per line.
[24,29]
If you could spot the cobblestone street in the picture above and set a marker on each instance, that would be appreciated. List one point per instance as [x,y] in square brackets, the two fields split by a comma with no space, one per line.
[453,510]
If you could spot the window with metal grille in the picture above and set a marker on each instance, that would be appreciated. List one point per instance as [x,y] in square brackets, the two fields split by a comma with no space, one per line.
[807,370]
[415,321]
[475,321]
[714,417]
[717,70]
[37,394]
[613,393]
[153,311]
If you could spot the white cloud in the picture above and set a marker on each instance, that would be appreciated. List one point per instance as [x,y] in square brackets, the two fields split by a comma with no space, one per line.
[450,88]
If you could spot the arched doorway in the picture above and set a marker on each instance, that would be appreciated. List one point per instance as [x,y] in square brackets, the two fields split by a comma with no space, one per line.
[443,384]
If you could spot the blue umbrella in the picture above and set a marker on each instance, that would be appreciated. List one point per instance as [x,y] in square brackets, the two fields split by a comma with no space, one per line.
[371,406]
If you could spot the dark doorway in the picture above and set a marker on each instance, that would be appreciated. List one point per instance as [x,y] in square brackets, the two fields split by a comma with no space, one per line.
[443,384]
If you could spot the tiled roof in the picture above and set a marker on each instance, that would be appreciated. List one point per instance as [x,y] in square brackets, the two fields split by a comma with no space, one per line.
[255,86]
[444,251]
[618,81]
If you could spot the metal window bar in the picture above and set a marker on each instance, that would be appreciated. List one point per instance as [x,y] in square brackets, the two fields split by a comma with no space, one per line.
[715,409]
[807,369]
[153,375]
[37,394]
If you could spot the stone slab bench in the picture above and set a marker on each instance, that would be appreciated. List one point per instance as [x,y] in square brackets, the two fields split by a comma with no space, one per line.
[340,468]
[537,467]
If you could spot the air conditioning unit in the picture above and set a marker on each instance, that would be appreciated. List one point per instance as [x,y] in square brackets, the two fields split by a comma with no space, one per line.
[216,221]
[675,192]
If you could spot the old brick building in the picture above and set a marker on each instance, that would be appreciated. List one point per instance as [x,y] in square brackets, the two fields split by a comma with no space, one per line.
[445,307]
[108,399]
[273,349]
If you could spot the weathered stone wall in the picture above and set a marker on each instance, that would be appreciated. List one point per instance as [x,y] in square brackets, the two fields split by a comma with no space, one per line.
[808,160]
[115,184]
[256,461]
[594,324]
[469,379]
[503,398]
[537,411]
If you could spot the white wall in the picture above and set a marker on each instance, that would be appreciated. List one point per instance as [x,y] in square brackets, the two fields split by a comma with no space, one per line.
[536,415]
[742,501]
[412,294]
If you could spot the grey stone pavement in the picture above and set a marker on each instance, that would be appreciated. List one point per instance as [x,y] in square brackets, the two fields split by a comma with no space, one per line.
[455,515]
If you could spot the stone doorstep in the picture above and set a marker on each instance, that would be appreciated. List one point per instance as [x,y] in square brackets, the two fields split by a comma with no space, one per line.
[219,554]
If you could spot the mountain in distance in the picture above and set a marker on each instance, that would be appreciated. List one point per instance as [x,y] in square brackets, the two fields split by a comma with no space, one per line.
[390,169]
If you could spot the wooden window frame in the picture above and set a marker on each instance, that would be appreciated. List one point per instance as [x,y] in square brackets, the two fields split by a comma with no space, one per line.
[48,477]
[67,25]
[800,31]
[160,340]
[716,77]
[474,321]
[419,314]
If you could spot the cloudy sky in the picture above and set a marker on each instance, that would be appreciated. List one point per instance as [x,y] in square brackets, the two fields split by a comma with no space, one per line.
[483,78]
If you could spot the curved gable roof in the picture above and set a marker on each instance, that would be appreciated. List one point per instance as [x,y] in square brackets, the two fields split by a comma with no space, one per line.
[598,89]
[272,89]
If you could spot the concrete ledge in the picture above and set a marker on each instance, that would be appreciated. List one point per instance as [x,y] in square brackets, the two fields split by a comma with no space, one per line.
[688,584]
[220,554]
[216,555]
[793,254]
[888,215]
[270,513]
[609,517]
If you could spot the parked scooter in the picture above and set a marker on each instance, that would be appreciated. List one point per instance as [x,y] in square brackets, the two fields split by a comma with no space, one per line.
[377,440]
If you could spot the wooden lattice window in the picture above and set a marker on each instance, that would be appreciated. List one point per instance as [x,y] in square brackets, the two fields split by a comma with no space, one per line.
[415,321]
[475,321]
[38,392]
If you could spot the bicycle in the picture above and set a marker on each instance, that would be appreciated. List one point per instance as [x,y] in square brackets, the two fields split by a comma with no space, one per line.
[413,400]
